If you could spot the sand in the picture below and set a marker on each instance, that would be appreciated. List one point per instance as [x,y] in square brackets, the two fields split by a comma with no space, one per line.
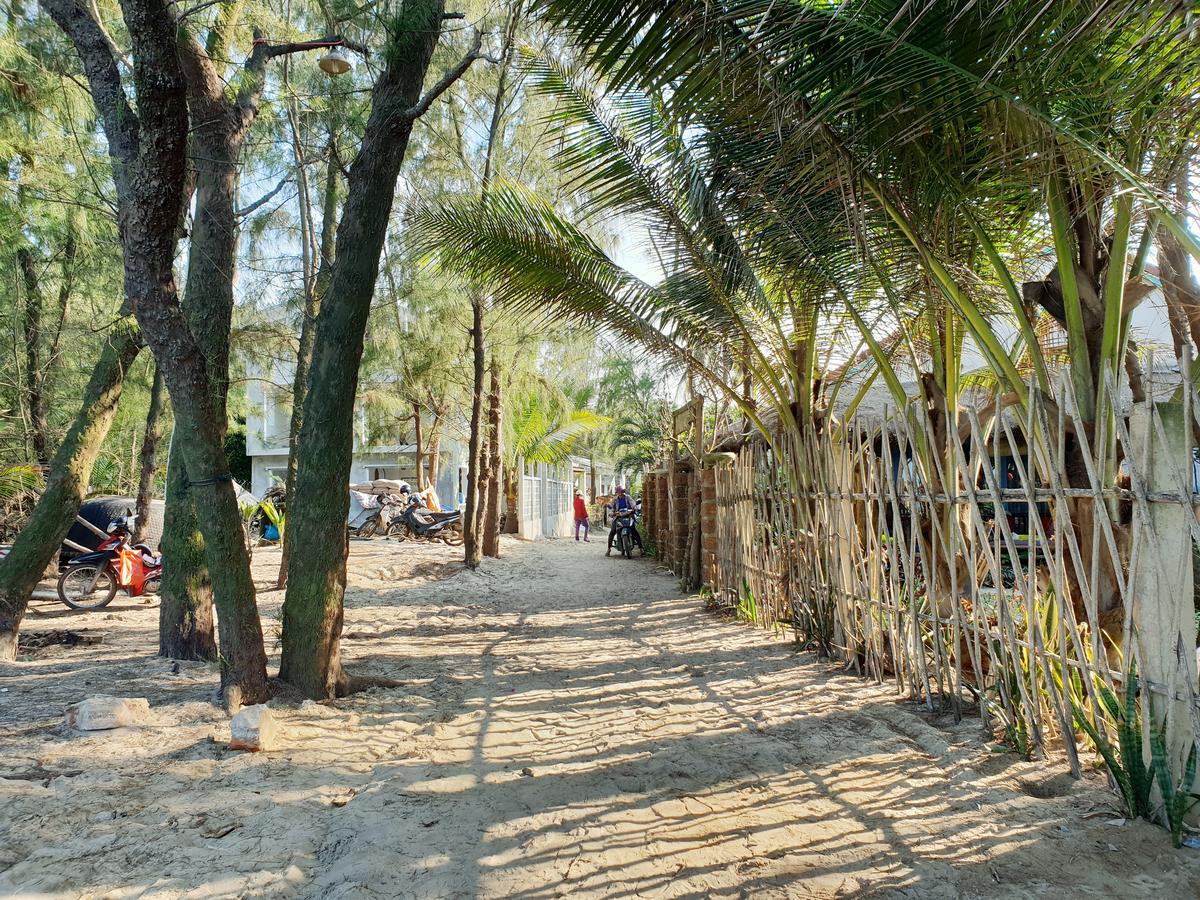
[568,725]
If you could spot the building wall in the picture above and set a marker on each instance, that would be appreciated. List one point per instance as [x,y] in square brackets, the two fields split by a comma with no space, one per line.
[544,501]
[267,468]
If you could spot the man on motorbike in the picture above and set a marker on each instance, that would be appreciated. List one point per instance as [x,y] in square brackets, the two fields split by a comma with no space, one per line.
[620,503]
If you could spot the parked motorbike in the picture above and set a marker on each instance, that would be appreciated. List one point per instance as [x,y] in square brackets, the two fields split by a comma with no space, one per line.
[626,522]
[91,581]
[376,519]
[416,523]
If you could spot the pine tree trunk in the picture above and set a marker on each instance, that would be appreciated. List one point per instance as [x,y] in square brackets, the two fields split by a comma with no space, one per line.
[149,460]
[312,611]
[149,150]
[185,604]
[435,452]
[308,331]
[70,471]
[39,424]
[419,447]
[491,517]
[472,515]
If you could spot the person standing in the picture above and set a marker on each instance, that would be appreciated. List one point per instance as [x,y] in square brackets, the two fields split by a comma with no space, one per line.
[581,517]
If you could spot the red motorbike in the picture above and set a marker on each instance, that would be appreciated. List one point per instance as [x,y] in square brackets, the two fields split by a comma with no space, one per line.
[91,581]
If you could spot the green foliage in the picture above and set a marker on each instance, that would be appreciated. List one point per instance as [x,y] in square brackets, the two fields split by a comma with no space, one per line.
[235,456]
[1125,762]
[1178,799]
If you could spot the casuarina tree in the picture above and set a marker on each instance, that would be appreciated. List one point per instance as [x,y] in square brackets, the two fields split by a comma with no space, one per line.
[312,611]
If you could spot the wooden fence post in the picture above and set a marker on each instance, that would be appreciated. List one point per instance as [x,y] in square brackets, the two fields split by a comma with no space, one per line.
[681,516]
[1162,607]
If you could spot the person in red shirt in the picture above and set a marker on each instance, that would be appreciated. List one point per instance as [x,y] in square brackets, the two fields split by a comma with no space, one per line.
[581,516]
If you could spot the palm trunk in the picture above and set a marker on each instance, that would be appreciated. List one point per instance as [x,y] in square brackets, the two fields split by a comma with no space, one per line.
[149,459]
[512,524]
[312,610]
[70,470]
[491,516]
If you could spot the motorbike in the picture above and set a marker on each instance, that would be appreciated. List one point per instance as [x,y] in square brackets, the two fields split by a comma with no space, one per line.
[376,519]
[626,522]
[92,580]
[416,523]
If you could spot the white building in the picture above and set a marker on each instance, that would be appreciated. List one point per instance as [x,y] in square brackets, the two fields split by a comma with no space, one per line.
[268,420]
[545,493]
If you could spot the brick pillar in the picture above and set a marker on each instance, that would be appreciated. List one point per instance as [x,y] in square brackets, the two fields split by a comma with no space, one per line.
[662,527]
[679,517]
[649,513]
[708,517]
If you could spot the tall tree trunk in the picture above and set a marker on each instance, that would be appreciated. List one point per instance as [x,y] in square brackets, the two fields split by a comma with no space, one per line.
[491,517]
[435,450]
[185,610]
[149,462]
[148,143]
[473,515]
[420,446]
[476,446]
[70,470]
[312,610]
[308,331]
[39,364]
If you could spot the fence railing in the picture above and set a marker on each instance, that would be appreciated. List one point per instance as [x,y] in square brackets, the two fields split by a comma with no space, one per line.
[1016,560]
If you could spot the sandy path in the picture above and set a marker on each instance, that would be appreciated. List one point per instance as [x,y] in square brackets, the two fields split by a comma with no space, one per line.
[569,725]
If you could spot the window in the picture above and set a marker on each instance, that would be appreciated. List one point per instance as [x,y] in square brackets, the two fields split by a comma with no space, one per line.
[276,475]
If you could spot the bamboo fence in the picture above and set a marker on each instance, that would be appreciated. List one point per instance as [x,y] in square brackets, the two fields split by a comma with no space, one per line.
[894,545]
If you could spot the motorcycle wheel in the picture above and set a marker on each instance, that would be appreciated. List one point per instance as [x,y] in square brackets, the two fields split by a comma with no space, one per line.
[398,531]
[453,537]
[151,586]
[72,587]
[626,546]
[368,529]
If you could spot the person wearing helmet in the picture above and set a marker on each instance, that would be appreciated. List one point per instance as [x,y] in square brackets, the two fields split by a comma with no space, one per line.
[622,502]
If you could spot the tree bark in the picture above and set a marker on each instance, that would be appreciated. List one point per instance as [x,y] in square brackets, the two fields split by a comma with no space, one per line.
[512,521]
[38,365]
[435,450]
[70,470]
[39,425]
[491,516]
[149,152]
[149,462]
[477,501]
[312,610]
[419,445]
[476,446]
[185,610]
